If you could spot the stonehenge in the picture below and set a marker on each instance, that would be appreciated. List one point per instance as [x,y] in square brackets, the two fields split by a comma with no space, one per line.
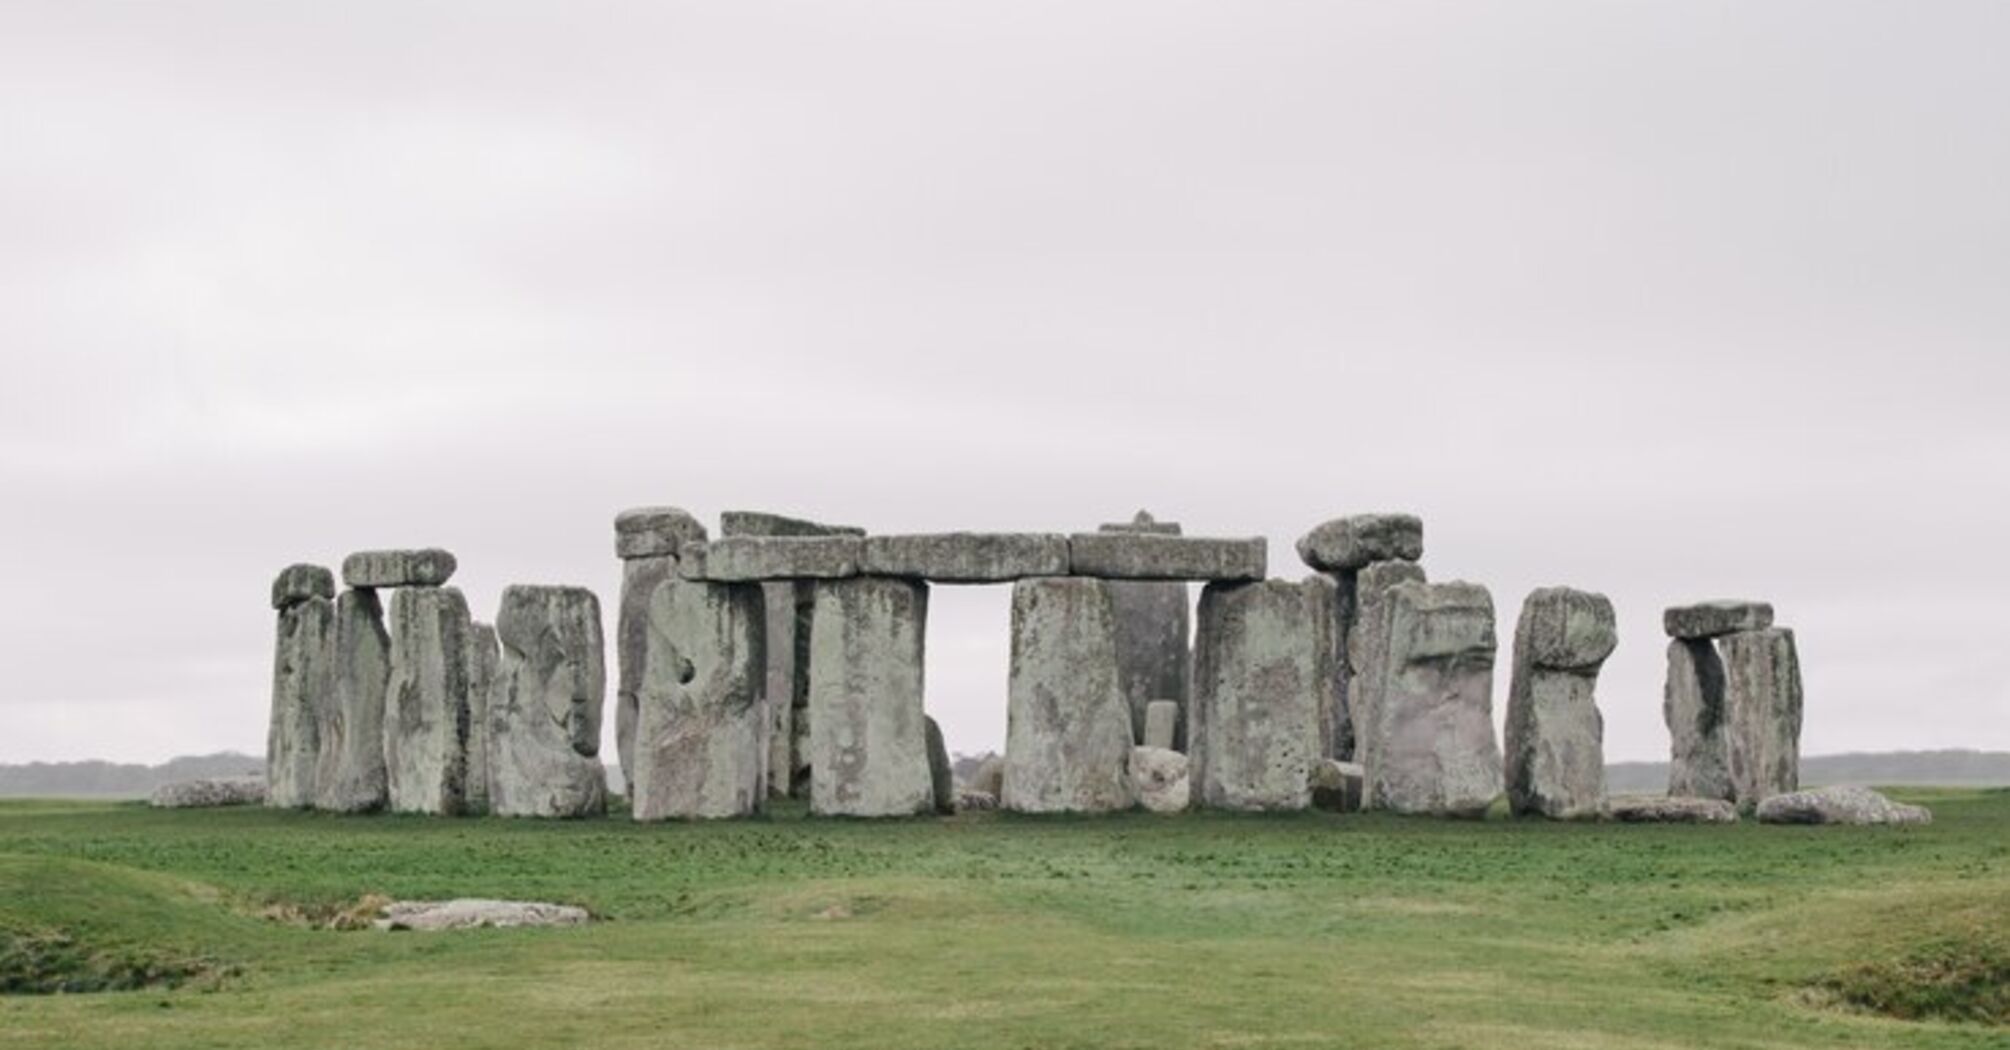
[785,658]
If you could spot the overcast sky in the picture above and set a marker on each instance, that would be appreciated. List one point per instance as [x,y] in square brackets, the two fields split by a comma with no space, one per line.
[1670,301]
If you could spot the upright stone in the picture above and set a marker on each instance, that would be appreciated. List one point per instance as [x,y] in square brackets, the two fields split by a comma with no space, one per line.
[1763,697]
[1434,749]
[352,778]
[544,721]
[1693,705]
[1162,724]
[1068,726]
[941,778]
[484,673]
[647,540]
[868,734]
[1263,674]
[1555,736]
[1367,649]
[701,737]
[426,713]
[1153,659]
[302,684]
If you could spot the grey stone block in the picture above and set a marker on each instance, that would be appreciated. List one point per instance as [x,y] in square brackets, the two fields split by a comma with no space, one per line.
[1338,787]
[545,713]
[484,676]
[303,686]
[1153,623]
[744,559]
[1139,556]
[1661,809]
[940,778]
[1435,750]
[352,777]
[701,736]
[1711,619]
[427,718]
[1354,542]
[761,523]
[1762,696]
[1555,736]
[1839,805]
[1068,727]
[787,675]
[209,792]
[640,577]
[1162,779]
[966,557]
[655,532]
[1693,705]
[868,733]
[297,583]
[431,567]
[1263,675]
[1367,649]
[1162,724]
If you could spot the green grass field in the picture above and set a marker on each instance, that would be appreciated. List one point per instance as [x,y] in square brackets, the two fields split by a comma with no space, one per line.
[992,931]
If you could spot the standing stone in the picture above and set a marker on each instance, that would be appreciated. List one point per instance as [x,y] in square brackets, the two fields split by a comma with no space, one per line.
[303,685]
[1153,660]
[1068,726]
[701,737]
[1555,737]
[1433,745]
[868,735]
[1360,608]
[655,532]
[647,539]
[1762,694]
[484,672]
[1698,722]
[426,714]
[1263,675]
[352,778]
[544,722]
[941,778]
[1162,725]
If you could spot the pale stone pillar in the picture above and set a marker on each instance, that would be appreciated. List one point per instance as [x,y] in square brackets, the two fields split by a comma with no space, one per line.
[1263,680]
[426,710]
[545,714]
[352,777]
[868,732]
[1068,732]
[302,684]
[701,733]
[1555,736]
[1434,749]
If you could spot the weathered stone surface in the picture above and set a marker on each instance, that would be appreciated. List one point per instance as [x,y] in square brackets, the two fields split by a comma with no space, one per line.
[1068,727]
[426,715]
[484,679]
[1263,675]
[1337,786]
[868,735]
[545,711]
[430,567]
[1160,777]
[1762,698]
[701,737]
[213,791]
[740,559]
[1354,542]
[1555,736]
[470,913]
[761,523]
[1839,805]
[1142,556]
[297,583]
[351,777]
[974,801]
[1162,725]
[1153,661]
[1698,722]
[989,777]
[940,778]
[303,687]
[1711,619]
[1434,749]
[1665,809]
[1142,522]
[640,576]
[655,532]
[787,676]
[966,557]
[1367,648]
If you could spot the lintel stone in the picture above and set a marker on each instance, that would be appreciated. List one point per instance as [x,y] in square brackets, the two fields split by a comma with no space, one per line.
[652,532]
[407,568]
[1711,619]
[966,557]
[739,559]
[761,523]
[1344,544]
[1145,556]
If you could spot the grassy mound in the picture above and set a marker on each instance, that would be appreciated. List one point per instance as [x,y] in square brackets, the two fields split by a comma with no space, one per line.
[51,962]
[1959,979]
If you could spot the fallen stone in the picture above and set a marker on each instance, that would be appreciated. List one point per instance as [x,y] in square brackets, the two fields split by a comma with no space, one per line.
[868,734]
[1338,787]
[351,777]
[484,679]
[742,559]
[1762,698]
[1160,776]
[297,583]
[640,576]
[303,688]
[966,557]
[971,800]
[1435,750]
[1068,727]
[989,776]
[1367,648]
[1350,543]
[1698,723]
[701,736]
[1555,736]
[1139,556]
[761,523]
[1710,619]
[413,568]
[468,914]
[212,791]
[655,532]
[426,713]
[940,778]
[1665,809]
[1839,805]
[1263,675]
[545,713]
[1162,725]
